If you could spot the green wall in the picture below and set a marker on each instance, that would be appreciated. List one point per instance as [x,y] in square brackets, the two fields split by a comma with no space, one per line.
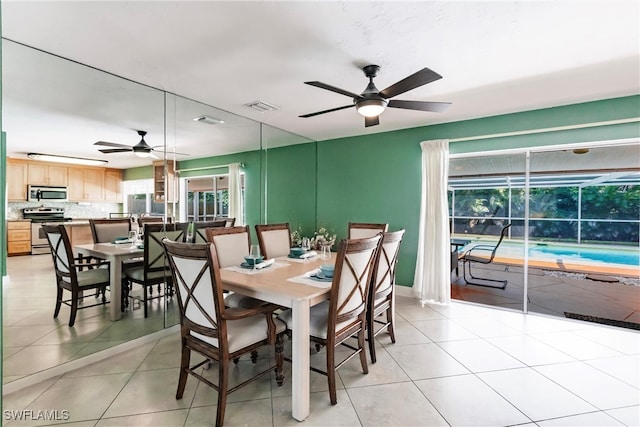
[377,177]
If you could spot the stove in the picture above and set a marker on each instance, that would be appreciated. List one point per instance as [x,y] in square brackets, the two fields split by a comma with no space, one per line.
[39,216]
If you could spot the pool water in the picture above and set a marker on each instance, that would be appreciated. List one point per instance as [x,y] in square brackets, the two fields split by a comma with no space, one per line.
[575,254]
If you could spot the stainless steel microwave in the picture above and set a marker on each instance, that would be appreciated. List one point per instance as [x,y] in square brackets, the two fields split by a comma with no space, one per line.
[40,193]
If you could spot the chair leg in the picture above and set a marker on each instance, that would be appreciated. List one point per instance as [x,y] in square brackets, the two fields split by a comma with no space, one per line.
[254,356]
[279,347]
[184,371]
[371,335]
[74,307]
[363,355]
[473,280]
[390,328]
[58,303]
[223,380]
[331,373]
[146,313]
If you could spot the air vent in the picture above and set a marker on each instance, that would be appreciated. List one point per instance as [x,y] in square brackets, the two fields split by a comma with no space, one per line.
[208,120]
[261,106]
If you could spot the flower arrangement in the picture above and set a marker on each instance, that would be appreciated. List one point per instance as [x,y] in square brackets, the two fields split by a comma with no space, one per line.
[296,237]
[322,237]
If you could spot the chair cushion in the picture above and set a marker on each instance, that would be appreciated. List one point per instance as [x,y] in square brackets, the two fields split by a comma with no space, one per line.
[92,277]
[244,332]
[318,320]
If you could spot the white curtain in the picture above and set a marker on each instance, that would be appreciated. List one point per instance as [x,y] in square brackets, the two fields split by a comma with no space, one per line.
[235,193]
[432,281]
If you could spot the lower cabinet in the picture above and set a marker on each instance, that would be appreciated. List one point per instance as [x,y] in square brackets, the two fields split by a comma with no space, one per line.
[18,238]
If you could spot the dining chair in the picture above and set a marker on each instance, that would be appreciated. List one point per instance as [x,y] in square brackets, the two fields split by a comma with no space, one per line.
[142,220]
[482,254]
[106,231]
[361,230]
[232,245]
[274,239]
[200,226]
[382,294]
[210,329]
[343,316]
[229,222]
[154,269]
[69,277]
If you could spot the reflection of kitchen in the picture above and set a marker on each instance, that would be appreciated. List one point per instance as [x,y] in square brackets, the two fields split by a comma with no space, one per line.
[41,192]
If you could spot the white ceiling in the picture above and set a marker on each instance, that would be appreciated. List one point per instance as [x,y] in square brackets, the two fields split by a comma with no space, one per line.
[495,57]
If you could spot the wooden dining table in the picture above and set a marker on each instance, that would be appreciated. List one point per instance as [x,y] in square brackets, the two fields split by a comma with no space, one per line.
[115,254]
[272,284]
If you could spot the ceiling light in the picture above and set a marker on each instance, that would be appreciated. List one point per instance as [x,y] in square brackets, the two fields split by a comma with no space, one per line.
[142,154]
[65,159]
[261,106]
[208,120]
[371,107]
[580,150]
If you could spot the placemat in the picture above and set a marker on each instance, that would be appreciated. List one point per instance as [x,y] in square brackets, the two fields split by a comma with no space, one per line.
[306,279]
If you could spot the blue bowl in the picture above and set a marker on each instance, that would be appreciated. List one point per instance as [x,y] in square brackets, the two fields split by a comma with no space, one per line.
[327,270]
[249,260]
[297,251]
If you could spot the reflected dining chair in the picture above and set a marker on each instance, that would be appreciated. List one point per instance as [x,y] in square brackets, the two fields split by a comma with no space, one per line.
[218,333]
[343,316]
[232,245]
[382,294]
[482,254]
[361,230]
[274,239]
[154,269]
[200,226]
[69,277]
[229,222]
[106,231]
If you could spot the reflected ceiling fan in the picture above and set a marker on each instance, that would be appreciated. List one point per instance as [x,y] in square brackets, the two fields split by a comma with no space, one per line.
[141,149]
[372,102]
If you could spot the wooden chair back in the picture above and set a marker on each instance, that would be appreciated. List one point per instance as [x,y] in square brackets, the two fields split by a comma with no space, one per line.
[274,239]
[107,230]
[362,230]
[231,243]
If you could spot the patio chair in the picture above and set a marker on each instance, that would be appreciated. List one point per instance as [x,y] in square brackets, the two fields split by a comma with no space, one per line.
[482,254]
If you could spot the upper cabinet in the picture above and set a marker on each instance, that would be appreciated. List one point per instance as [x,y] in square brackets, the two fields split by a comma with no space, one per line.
[43,174]
[113,185]
[16,181]
[86,185]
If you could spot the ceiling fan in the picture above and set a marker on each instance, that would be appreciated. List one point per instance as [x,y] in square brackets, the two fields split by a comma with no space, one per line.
[372,102]
[141,149]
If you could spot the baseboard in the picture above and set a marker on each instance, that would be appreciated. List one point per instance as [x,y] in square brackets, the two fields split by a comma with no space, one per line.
[84,361]
[404,291]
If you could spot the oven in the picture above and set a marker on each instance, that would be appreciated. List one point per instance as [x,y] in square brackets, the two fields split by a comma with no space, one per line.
[39,216]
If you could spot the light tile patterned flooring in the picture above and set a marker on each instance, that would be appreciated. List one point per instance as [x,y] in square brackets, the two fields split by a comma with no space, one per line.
[457,365]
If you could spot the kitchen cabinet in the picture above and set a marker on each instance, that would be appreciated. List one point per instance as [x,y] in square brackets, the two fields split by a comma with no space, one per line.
[16,181]
[113,185]
[18,237]
[164,190]
[79,232]
[44,174]
[86,185]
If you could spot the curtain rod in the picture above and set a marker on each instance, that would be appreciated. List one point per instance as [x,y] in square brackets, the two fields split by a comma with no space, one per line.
[206,168]
[544,130]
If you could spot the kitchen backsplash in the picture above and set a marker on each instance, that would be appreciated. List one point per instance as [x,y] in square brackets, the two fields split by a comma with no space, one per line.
[71,210]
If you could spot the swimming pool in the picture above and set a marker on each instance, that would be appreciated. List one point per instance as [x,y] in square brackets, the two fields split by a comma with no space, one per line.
[566,254]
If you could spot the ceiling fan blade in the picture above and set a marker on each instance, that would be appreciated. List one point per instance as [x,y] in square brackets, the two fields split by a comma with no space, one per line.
[115,150]
[170,153]
[415,80]
[333,89]
[111,144]
[371,121]
[436,107]
[326,111]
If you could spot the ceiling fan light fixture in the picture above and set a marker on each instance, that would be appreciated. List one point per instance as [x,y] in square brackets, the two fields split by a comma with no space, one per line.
[142,154]
[371,107]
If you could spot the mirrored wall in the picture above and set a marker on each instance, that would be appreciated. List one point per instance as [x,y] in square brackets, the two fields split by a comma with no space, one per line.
[70,106]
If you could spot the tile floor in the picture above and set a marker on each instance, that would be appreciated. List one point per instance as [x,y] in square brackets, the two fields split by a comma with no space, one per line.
[456,365]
